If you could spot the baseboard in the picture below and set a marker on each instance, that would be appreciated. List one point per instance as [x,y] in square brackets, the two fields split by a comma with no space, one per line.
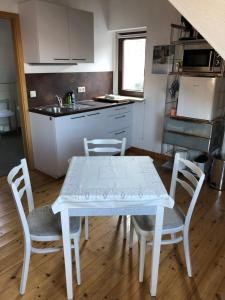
[154,155]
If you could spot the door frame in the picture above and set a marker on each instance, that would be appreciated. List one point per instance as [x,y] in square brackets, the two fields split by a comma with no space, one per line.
[22,88]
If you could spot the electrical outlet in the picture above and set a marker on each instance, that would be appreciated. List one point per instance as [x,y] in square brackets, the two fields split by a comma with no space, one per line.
[33,94]
[81,89]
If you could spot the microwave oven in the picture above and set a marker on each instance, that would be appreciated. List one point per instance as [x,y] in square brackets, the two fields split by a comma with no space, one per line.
[202,61]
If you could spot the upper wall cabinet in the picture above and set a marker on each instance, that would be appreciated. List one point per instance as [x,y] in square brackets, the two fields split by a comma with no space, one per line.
[81,40]
[54,33]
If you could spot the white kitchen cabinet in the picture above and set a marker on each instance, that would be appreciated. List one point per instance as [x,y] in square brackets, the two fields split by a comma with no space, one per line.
[95,124]
[119,121]
[54,33]
[120,134]
[44,144]
[69,137]
[70,133]
[56,140]
[81,35]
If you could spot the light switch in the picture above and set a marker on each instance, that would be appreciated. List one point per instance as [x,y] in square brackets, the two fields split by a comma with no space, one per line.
[33,94]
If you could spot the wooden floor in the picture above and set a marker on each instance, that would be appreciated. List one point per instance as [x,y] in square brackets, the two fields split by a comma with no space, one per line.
[108,269]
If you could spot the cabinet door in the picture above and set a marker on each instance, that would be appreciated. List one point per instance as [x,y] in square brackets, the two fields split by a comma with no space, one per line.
[44,143]
[94,125]
[81,35]
[70,133]
[53,32]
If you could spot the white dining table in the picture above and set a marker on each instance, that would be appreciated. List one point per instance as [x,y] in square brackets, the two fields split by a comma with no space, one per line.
[109,186]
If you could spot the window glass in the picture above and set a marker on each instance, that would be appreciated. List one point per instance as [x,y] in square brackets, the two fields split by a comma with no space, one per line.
[133,64]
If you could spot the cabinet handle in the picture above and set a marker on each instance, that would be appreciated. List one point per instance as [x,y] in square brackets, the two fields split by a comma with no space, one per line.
[120,117]
[61,59]
[78,58]
[77,117]
[93,114]
[210,59]
[117,133]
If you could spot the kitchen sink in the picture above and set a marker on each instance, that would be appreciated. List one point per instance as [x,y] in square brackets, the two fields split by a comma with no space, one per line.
[55,109]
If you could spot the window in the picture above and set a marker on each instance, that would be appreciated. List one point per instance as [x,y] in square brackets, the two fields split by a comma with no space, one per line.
[131,64]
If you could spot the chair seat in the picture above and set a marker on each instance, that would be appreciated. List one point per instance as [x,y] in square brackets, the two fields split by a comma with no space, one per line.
[173,218]
[42,222]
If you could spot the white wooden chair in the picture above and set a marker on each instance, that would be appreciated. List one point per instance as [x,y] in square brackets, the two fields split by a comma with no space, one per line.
[109,147]
[175,221]
[40,225]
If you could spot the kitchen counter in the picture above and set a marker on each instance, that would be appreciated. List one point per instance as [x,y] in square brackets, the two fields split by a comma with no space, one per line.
[81,107]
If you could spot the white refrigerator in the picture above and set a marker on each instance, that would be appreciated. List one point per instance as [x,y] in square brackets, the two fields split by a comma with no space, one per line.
[201,97]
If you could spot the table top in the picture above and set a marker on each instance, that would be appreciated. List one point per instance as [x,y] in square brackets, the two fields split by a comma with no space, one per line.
[111,185]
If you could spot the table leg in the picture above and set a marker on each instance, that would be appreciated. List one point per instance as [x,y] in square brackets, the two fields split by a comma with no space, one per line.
[156,249]
[67,252]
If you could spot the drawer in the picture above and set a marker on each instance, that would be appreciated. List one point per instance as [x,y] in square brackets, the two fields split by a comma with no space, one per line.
[192,142]
[119,110]
[122,133]
[186,127]
[118,121]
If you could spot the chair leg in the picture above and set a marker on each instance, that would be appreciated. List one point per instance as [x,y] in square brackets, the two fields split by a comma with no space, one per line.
[86,228]
[77,260]
[124,227]
[119,220]
[26,263]
[187,253]
[142,258]
[131,234]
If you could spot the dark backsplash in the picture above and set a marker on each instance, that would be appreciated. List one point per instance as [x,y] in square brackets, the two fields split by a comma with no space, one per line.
[47,85]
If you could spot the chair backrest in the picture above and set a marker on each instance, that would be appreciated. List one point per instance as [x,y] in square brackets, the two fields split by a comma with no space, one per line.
[19,182]
[192,181]
[106,146]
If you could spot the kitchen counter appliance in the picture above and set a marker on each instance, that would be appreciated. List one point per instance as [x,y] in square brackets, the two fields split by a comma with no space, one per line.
[201,60]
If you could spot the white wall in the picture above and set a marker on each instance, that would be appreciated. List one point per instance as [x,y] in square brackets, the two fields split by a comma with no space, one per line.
[9,5]
[157,15]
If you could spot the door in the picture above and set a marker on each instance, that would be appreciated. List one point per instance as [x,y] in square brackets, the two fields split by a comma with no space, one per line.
[11,141]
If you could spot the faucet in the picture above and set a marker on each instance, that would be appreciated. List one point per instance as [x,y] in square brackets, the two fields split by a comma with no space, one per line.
[60,101]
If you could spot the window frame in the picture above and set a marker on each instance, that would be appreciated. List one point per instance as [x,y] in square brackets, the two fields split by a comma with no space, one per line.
[121,38]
